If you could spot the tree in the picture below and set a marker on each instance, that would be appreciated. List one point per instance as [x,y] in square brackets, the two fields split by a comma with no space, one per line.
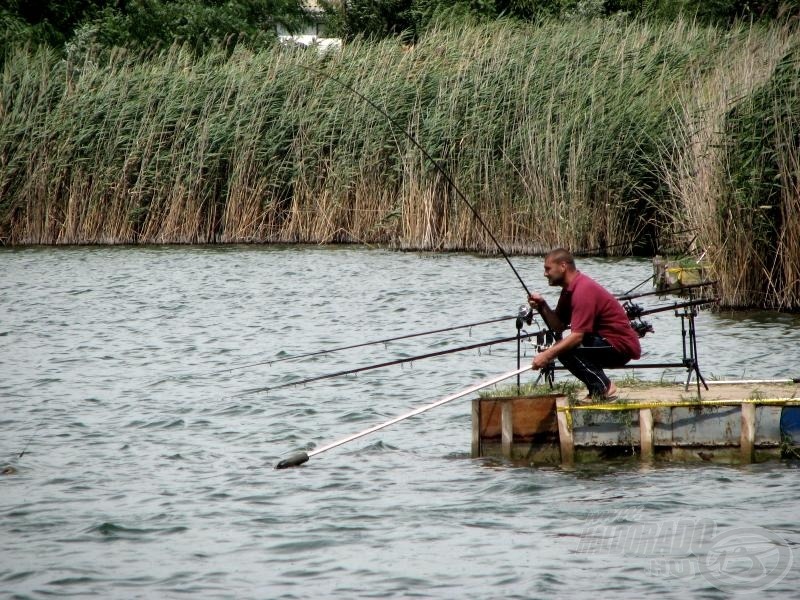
[153,23]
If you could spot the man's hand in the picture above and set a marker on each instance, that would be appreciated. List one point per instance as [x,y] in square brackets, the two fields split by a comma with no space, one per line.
[535,300]
[541,360]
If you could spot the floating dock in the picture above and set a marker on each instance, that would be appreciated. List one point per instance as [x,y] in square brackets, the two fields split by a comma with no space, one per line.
[733,423]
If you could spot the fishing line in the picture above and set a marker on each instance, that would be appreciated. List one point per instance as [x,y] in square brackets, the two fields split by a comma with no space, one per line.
[429,157]
[340,348]
[33,435]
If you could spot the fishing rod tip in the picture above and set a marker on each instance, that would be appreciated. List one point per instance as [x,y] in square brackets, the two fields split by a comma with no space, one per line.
[295,460]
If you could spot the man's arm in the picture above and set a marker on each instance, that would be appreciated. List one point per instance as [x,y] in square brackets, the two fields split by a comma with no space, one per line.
[549,316]
[545,357]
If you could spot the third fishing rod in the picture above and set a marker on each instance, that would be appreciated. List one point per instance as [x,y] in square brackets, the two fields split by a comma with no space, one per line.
[391,363]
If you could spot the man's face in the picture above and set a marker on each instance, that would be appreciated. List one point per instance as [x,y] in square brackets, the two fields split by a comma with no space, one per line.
[554,271]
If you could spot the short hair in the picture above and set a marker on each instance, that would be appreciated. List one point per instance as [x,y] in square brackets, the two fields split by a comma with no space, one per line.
[561,255]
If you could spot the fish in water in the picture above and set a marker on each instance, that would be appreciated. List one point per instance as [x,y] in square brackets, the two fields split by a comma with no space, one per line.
[8,470]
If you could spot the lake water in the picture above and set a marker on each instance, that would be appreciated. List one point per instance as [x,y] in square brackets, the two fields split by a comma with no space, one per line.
[148,470]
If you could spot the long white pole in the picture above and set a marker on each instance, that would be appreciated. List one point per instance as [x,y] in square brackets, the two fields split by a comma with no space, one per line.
[301,457]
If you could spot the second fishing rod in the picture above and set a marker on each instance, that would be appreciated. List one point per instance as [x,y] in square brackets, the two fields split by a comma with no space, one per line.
[399,361]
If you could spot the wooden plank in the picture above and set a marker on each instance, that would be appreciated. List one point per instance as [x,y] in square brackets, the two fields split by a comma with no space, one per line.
[534,417]
[565,434]
[646,433]
[748,438]
[476,428]
[507,426]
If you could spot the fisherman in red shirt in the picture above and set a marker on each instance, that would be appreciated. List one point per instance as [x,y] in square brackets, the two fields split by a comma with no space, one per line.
[600,335]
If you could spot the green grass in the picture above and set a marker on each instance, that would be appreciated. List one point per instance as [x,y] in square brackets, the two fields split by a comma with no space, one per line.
[568,388]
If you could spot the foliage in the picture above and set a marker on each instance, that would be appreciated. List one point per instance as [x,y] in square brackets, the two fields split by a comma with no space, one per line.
[377,19]
[151,24]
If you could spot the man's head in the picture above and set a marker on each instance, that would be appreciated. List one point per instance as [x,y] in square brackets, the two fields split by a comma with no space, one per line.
[559,265]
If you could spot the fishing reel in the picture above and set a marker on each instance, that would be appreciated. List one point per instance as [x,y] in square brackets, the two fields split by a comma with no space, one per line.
[524,316]
[642,327]
[544,339]
[635,313]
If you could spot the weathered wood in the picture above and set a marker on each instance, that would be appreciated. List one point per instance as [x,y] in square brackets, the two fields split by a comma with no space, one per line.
[714,430]
[565,433]
[532,433]
[748,437]
[507,426]
[476,428]
[646,433]
[534,416]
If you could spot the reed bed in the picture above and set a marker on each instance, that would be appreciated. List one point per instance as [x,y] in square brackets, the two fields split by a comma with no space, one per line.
[595,135]
[733,172]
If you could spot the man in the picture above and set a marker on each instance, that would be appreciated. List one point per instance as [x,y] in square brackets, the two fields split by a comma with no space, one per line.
[600,336]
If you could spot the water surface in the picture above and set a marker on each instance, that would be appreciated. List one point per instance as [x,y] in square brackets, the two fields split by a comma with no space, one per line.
[148,474]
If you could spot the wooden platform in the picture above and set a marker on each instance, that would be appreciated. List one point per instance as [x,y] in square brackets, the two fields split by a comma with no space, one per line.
[731,423]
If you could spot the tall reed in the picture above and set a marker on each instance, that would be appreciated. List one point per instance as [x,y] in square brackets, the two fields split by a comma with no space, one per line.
[587,135]
[733,177]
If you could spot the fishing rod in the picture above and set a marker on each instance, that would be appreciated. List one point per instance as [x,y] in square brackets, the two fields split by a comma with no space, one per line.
[299,458]
[633,312]
[429,157]
[631,241]
[361,345]
[665,291]
[675,306]
[390,363]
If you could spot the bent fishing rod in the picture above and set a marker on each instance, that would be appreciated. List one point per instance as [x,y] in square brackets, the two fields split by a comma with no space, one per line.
[361,345]
[390,363]
[427,155]
[299,458]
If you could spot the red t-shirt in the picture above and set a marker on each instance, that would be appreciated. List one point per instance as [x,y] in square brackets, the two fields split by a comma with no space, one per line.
[588,308]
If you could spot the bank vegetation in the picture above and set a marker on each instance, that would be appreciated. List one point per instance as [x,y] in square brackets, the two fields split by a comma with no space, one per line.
[603,136]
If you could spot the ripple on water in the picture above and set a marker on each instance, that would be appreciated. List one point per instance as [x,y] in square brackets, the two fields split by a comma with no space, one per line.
[143,446]
[114,531]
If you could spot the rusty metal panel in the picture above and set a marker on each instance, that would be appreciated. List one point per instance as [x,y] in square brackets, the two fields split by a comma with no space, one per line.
[709,426]
[662,426]
[605,428]
[768,425]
